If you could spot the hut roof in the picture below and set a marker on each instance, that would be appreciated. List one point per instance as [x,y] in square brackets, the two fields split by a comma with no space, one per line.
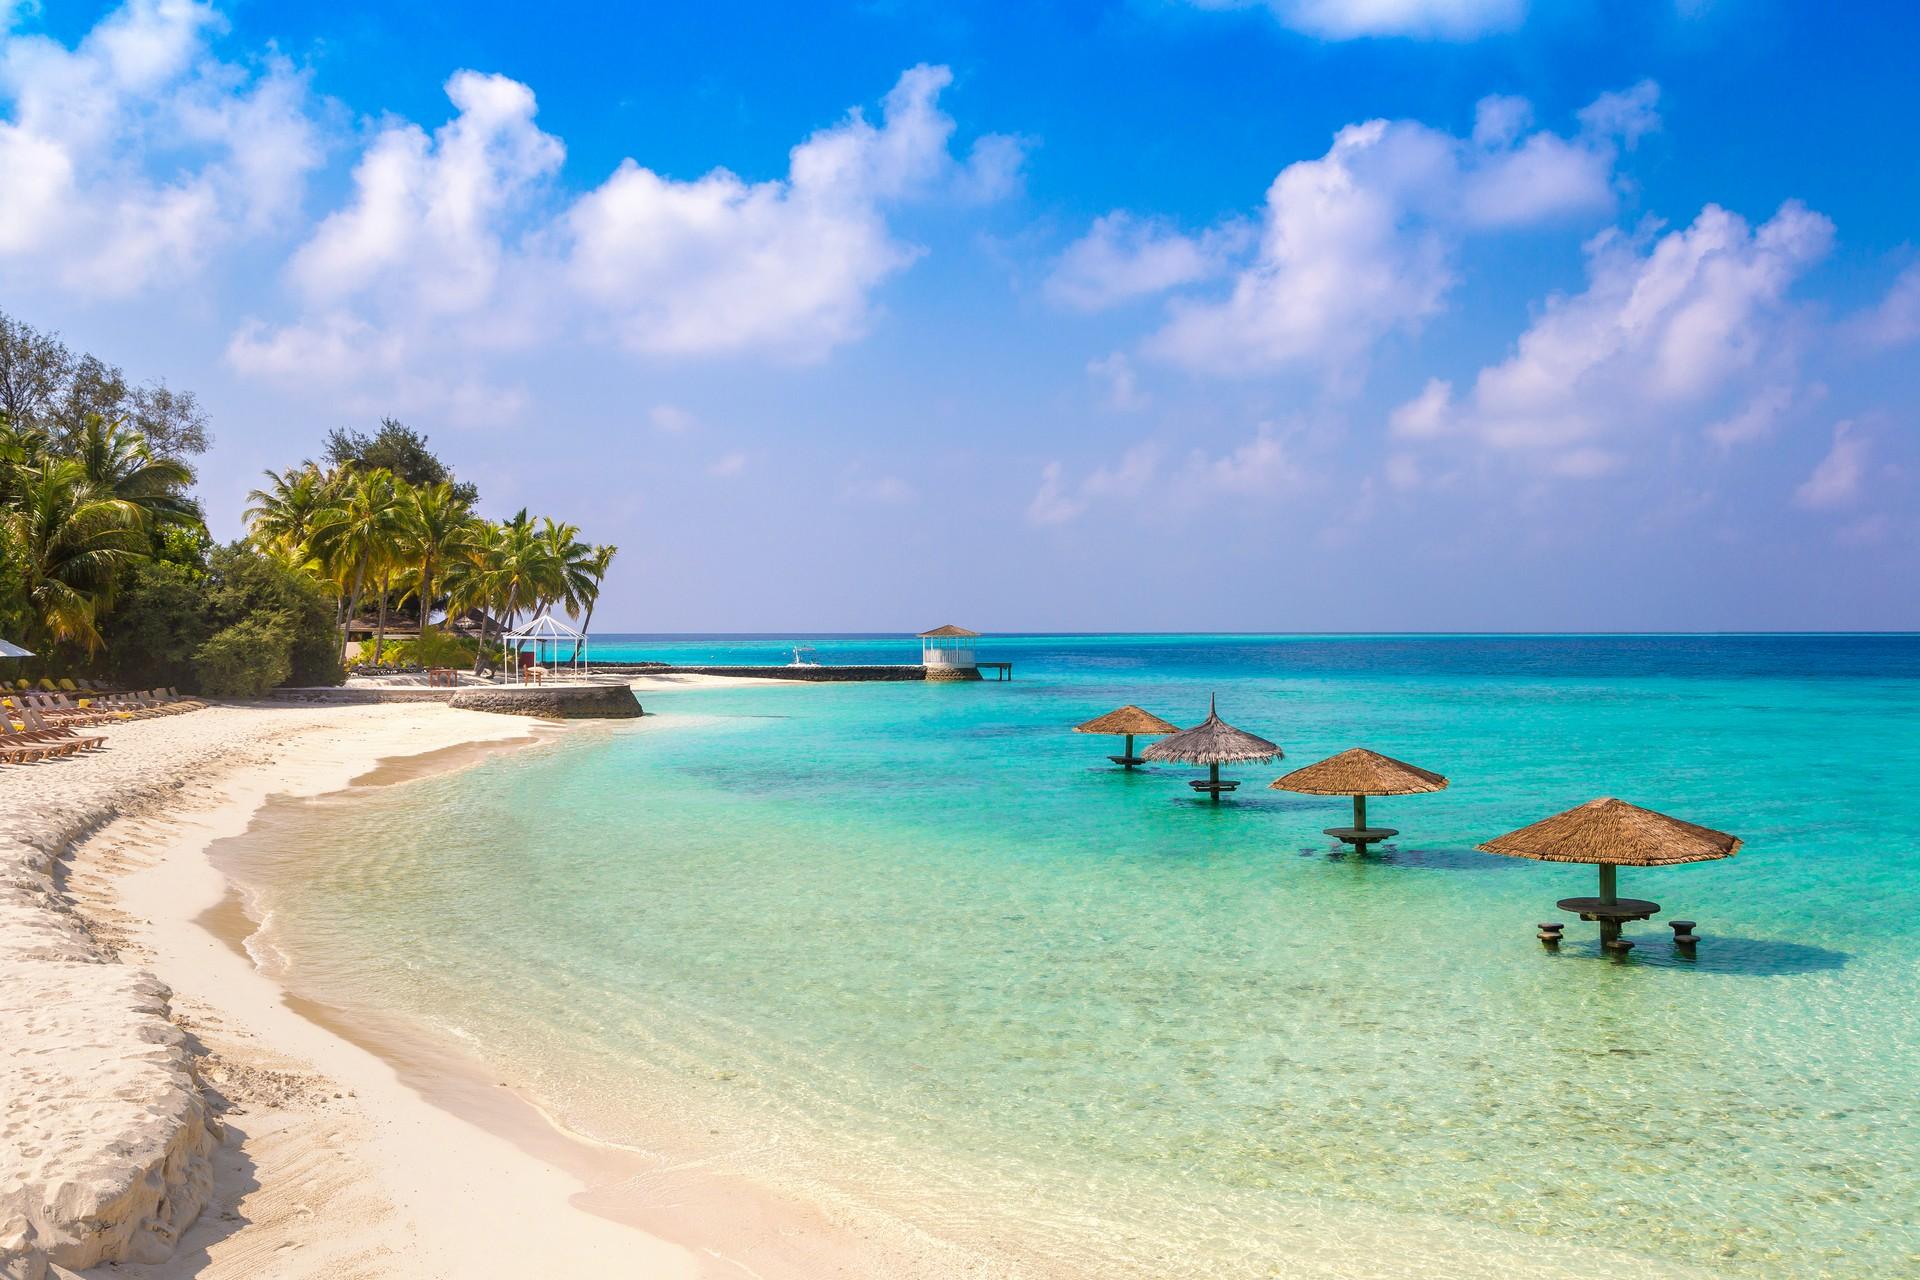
[1361,772]
[1212,741]
[1613,831]
[1128,719]
[948,632]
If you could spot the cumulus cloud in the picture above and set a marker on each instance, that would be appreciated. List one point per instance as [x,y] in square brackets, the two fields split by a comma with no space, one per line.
[1122,257]
[458,241]
[1754,420]
[1352,19]
[788,265]
[130,157]
[1360,243]
[1836,480]
[1662,331]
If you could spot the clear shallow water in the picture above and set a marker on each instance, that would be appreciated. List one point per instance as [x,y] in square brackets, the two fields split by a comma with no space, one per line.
[919,946]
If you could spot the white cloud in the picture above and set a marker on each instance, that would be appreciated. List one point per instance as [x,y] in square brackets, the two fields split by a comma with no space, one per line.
[1360,242]
[1352,19]
[458,244]
[1122,383]
[860,484]
[1655,338]
[1122,257]
[672,419]
[1835,481]
[426,222]
[787,266]
[1263,466]
[1059,501]
[133,156]
[1896,321]
[1755,420]
[728,465]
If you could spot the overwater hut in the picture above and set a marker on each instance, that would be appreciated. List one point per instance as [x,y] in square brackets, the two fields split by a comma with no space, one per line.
[1612,834]
[1133,722]
[1213,742]
[947,653]
[1361,773]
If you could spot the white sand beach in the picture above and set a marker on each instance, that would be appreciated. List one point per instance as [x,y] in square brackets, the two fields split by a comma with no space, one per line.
[170,1111]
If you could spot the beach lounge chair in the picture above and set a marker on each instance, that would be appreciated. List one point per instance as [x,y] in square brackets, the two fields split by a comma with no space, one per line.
[17,745]
[59,732]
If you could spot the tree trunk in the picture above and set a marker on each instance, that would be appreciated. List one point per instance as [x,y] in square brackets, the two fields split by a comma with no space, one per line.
[353,601]
[586,625]
[380,631]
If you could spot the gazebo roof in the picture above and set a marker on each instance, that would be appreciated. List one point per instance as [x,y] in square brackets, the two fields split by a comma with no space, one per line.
[1360,772]
[1614,832]
[1212,741]
[948,632]
[1128,719]
[546,627]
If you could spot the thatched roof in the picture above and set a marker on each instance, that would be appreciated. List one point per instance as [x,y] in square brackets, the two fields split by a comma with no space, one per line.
[1212,741]
[1613,831]
[1128,719]
[1361,772]
[948,632]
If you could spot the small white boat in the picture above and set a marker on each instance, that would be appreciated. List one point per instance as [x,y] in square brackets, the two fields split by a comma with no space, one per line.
[802,657]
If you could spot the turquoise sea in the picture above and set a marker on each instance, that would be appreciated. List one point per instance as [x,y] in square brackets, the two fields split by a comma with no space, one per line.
[921,953]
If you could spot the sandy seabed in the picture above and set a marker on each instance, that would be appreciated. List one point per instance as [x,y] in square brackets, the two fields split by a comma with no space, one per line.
[170,1111]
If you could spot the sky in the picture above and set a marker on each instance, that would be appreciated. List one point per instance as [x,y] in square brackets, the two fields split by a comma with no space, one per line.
[1274,315]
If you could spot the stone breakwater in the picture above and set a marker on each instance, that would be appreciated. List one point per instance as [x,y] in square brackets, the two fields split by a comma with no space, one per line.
[551,702]
[106,1141]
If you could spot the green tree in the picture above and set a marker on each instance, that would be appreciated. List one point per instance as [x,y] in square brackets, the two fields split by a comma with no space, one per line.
[68,543]
[355,533]
[398,448]
[119,463]
[281,517]
[435,527]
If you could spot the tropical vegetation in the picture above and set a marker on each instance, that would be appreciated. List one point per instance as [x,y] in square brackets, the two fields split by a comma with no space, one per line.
[107,567]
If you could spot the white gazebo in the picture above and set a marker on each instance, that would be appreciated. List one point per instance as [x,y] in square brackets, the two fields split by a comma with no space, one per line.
[947,652]
[545,630]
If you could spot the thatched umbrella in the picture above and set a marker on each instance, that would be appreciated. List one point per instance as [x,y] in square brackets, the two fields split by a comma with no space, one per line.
[1129,720]
[1361,773]
[1213,742]
[1613,833]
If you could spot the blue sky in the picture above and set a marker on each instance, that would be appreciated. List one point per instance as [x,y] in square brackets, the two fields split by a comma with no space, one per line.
[1296,315]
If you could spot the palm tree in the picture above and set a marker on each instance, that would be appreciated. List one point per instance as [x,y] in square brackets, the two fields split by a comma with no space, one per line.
[118,464]
[280,517]
[353,534]
[435,526]
[567,569]
[472,577]
[598,563]
[68,541]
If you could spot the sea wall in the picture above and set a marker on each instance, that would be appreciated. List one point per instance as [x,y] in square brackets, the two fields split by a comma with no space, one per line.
[551,702]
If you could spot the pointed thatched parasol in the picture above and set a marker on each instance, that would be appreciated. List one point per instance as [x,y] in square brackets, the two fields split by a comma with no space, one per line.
[1129,720]
[1613,833]
[1361,773]
[1213,742]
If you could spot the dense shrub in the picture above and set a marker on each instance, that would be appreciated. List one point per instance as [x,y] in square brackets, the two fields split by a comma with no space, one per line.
[247,658]
[158,623]
[242,584]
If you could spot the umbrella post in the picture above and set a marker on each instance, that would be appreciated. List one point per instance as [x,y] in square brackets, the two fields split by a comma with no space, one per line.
[1213,776]
[1129,751]
[1360,813]
[1609,929]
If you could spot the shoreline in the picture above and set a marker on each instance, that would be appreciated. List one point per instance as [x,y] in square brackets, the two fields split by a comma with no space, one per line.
[310,1149]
